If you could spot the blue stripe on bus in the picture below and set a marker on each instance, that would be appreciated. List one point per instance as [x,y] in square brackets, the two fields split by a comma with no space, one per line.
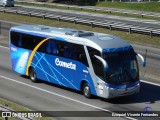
[126,48]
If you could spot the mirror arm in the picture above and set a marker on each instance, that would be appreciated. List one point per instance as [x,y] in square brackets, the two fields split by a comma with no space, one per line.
[139,55]
[101,59]
[142,58]
[104,63]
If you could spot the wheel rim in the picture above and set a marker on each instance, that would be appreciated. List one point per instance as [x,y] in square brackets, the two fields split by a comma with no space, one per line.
[86,90]
[32,75]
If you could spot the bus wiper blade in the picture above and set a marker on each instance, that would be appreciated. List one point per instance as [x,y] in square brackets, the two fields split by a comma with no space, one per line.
[130,77]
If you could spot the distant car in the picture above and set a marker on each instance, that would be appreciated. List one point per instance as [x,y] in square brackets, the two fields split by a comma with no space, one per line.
[5,3]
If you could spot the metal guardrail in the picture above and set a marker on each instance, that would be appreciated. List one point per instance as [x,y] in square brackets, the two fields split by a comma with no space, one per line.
[104,9]
[151,31]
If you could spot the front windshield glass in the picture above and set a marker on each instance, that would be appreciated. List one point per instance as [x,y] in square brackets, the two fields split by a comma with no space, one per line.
[122,66]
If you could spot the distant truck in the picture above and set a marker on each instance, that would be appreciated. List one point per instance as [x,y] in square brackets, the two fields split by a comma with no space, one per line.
[9,3]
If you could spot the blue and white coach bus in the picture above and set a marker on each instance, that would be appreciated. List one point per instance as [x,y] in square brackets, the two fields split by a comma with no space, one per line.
[94,63]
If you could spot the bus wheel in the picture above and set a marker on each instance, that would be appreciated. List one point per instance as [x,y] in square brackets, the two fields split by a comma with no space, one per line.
[32,75]
[86,90]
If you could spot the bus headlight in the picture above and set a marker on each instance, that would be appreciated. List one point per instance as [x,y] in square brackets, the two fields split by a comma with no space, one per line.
[112,89]
[100,87]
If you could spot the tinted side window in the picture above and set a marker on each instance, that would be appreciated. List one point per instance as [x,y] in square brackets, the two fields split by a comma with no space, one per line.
[25,40]
[59,48]
[98,68]
[97,65]
[49,47]
[79,54]
[15,39]
[93,52]
[64,49]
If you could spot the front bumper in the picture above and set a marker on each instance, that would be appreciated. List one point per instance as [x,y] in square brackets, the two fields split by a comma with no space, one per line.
[124,90]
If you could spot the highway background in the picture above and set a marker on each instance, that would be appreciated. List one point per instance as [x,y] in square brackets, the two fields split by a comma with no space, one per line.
[49,97]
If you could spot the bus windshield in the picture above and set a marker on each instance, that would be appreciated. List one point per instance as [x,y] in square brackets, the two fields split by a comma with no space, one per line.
[122,67]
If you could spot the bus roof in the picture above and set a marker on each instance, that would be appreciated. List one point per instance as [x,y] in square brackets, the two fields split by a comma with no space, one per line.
[98,40]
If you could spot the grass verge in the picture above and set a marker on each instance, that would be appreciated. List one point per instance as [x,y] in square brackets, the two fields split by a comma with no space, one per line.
[104,4]
[141,6]
[17,107]
[134,37]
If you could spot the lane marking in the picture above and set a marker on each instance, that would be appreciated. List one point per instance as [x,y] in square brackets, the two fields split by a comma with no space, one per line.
[143,52]
[4,47]
[65,97]
[150,83]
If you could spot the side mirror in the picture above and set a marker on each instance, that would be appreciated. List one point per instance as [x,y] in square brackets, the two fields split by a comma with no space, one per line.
[143,58]
[103,62]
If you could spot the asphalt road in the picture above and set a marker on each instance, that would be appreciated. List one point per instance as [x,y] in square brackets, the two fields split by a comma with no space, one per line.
[151,71]
[49,97]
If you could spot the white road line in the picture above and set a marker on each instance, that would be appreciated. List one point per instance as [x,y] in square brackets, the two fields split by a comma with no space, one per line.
[150,83]
[143,52]
[130,118]
[4,47]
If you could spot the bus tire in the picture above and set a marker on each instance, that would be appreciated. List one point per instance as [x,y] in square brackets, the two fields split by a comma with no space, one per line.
[32,75]
[86,90]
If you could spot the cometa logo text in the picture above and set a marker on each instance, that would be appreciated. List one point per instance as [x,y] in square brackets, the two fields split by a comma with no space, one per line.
[69,65]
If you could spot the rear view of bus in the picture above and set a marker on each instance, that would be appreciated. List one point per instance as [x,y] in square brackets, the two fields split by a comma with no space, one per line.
[9,3]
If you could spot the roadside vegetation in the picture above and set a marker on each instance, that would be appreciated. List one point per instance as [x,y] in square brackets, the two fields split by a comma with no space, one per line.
[133,37]
[12,106]
[147,6]
[142,6]
[17,107]
[71,2]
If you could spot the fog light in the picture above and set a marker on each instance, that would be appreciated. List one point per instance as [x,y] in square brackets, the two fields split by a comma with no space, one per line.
[112,88]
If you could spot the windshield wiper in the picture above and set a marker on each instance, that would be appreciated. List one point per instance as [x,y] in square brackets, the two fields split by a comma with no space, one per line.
[128,74]
[113,74]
